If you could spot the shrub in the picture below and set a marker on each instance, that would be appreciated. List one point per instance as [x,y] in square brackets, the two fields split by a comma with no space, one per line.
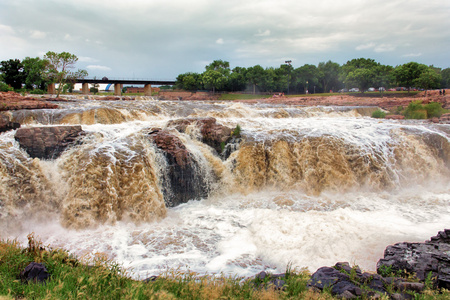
[37,92]
[237,131]
[415,110]
[4,87]
[434,109]
[378,114]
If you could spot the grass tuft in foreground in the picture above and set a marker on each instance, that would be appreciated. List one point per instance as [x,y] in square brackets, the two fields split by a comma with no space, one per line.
[100,278]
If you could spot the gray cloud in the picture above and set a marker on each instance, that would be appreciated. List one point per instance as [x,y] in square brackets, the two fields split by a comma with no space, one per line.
[161,39]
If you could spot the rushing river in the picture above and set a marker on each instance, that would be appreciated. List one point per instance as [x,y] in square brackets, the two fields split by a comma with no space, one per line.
[307,186]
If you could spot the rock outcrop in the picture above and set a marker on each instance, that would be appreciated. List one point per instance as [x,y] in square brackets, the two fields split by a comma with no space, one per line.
[6,125]
[213,134]
[48,142]
[347,282]
[428,260]
[445,118]
[15,101]
[183,179]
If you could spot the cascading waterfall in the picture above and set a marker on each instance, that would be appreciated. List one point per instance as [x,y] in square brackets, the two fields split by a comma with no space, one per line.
[305,185]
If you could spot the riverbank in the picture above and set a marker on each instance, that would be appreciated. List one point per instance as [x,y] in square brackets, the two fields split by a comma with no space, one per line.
[39,271]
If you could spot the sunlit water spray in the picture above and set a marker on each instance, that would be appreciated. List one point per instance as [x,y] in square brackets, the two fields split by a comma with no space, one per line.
[307,186]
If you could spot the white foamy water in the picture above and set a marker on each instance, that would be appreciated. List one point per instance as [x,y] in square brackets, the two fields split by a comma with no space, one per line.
[277,200]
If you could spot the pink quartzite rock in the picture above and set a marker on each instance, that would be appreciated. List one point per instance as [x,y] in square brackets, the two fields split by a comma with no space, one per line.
[213,134]
[183,180]
[445,118]
[15,101]
[6,125]
[47,142]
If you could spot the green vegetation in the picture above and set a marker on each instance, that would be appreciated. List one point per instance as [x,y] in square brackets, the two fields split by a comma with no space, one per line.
[325,77]
[416,110]
[378,114]
[237,131]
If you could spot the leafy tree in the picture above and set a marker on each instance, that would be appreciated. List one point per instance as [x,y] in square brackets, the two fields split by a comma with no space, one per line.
[445,81]
[255,77]
[237,80]
[428,79]
[361,72]
[216,75]
[407,74]
[189,81]
[306,73]
[329,75]
[34,69]
[59,68]
[362,78]
[12,73]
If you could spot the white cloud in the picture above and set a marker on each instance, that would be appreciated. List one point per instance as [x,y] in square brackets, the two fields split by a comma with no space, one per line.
[412,55]
[39,35]
[384,48]
[86,59]
[220,41]
[98,68]
[261,33]
[365,46]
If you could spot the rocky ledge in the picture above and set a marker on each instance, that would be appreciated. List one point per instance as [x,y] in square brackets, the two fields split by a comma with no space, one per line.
[15,101]
[47,142]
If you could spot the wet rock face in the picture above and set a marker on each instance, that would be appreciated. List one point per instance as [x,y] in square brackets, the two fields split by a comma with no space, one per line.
[6,125]
[182,180]
[48,142]
[423,259]
[213,134]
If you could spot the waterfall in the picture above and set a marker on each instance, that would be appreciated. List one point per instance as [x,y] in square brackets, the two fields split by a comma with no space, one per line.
[306,185]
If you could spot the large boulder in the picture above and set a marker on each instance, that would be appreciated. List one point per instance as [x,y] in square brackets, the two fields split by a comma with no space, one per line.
[183,179]
[6,125]
[48,142]
[428,260]
[212,134]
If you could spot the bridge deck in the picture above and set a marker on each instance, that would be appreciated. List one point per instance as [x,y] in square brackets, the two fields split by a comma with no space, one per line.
[126,81]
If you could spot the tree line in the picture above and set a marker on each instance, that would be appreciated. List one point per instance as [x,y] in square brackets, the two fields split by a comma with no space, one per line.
[35,74]
[361,73]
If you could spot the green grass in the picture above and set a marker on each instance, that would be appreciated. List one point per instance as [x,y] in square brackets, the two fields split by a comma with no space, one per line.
[100,278]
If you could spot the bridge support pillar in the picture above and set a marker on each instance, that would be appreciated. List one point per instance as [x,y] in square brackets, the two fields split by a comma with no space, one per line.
[118,89]
[148,89]
[85,88]
[51,88]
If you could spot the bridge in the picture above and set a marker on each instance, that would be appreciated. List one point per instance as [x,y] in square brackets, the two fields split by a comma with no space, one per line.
[118,84]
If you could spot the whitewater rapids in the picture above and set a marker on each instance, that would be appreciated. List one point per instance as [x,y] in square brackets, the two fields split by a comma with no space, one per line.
[307,186]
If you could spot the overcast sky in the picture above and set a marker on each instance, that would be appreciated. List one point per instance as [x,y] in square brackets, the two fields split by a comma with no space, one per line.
[159,39]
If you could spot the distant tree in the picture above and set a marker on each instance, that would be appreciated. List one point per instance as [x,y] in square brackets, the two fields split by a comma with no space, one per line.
[307,73]
[445,81]
[34,70]
[189,81]
[237,80]
[407,74]
[361,73]
[329,75]
[361,78]
[12,73]
[255,77]
[428,79]
[216,75]
[59,67]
